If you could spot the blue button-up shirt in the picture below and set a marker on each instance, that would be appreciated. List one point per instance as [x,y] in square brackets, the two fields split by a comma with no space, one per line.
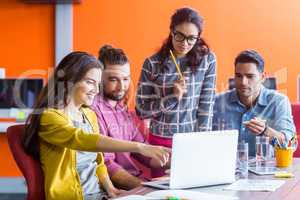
[275,108]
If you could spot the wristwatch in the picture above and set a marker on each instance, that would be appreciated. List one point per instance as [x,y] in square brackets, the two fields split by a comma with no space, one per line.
[263,133]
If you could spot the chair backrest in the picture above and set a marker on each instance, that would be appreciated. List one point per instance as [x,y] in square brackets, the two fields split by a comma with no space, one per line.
[142,125]
[296,117]
[30,168]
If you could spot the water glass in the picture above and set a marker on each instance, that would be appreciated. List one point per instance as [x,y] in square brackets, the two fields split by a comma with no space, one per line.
[263,152]
[242,160]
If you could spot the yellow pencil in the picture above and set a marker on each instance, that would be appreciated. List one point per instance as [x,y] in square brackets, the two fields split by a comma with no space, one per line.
[178,68]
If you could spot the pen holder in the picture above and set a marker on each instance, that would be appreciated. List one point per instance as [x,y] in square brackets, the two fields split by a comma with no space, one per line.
[284,157]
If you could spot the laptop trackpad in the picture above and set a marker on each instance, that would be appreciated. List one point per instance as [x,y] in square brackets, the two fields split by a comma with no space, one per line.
[161,184]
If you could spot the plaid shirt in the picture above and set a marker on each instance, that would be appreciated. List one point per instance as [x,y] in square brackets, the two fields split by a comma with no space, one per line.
[155,98]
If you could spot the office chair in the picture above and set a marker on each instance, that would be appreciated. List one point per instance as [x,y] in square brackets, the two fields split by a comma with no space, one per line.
[142,125]
[296,117]
[29,167]
[269,83]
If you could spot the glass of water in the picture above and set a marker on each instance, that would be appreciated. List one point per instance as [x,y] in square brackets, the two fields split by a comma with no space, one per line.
[242,160]
[263,154]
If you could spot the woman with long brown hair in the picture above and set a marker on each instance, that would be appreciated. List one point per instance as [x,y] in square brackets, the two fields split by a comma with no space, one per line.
[63,134]
[177,91]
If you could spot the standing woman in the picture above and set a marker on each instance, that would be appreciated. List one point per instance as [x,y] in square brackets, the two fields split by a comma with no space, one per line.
[178,100]
[62,133]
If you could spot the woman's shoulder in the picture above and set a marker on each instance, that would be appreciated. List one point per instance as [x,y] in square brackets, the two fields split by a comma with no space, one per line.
[88,111]
[92,117]
[211,56]
[50,115]
[151,64]
[53,113]
[154,59]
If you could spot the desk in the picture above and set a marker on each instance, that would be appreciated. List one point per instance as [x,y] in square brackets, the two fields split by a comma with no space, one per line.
[5,125]
[289,191]
[12,188]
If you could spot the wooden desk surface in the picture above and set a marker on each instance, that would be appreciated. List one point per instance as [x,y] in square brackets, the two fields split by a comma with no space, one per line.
[289,191]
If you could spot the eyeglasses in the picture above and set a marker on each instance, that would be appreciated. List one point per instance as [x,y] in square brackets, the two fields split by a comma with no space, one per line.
[180,37]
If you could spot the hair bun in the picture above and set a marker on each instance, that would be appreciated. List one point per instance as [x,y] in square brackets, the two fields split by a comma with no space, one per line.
[104,49]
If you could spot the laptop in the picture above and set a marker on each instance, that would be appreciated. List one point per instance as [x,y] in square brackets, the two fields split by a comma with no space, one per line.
[201,159]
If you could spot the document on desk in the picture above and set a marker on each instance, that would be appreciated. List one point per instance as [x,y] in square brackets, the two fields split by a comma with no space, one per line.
[135,197]
[255,185]
[188,195]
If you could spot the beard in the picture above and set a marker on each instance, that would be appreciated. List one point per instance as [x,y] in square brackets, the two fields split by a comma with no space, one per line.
[114,97]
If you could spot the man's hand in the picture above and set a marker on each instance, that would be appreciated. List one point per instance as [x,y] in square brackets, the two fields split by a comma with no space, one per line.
[108,186]
[256,125]
[124,180]
[113,192]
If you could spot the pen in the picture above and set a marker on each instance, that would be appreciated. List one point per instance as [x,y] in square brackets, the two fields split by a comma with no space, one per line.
[175,62]
[283,175]
[290,142]
[277,143]
[293,141]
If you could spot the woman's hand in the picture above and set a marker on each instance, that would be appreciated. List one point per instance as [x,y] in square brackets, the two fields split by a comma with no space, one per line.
[158,153]
[157,164]
[180,88]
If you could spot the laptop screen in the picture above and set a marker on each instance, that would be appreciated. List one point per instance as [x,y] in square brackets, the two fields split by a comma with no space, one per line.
[19,93]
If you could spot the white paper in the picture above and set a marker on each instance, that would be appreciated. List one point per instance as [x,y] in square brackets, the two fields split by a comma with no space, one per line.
[135,197]
[190,195]
[255,185]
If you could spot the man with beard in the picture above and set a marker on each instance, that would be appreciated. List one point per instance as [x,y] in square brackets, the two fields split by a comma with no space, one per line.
[115,120]
[251,108]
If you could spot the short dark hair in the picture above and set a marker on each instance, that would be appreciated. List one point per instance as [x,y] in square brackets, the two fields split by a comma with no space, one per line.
[112,56]
[251,56]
